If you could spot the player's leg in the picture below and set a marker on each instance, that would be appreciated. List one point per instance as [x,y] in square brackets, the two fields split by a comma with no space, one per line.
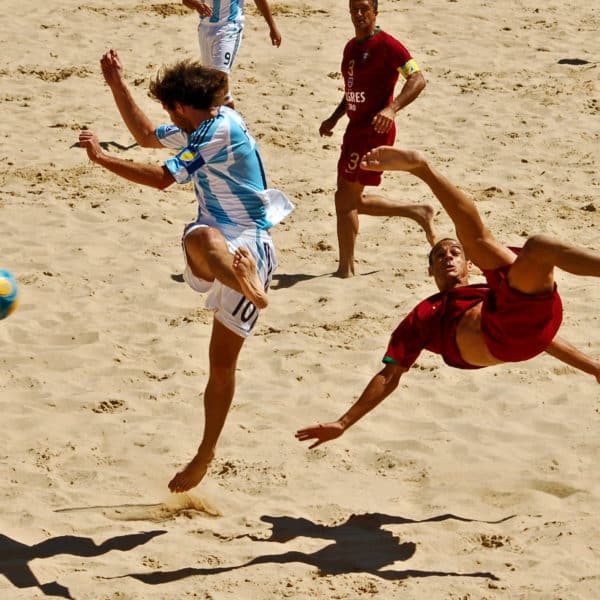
[225,346]
[205,43]
[224,50]
[347,197]
[533,271]
[478,242]
[361,140]
[209,258]
[379,206]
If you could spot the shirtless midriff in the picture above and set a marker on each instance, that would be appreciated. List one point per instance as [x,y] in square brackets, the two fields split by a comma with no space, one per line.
[470,341]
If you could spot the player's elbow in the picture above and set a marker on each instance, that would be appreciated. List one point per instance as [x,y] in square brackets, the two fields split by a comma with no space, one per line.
[147,140]
[391,375]
[165,181]
[163,184]
[421,82]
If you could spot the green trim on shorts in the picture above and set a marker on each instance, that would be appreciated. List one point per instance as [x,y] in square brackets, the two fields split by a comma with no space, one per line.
[389,360]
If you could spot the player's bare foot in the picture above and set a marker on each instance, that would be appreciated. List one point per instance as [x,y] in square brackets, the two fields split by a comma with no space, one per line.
[344,272]
[424,217]
[388,158]
[192,475]
[244,268]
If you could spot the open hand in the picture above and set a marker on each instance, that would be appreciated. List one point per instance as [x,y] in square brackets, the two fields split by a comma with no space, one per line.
[322,433]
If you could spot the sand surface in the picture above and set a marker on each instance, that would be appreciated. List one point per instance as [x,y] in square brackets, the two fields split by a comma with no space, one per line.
[462,485]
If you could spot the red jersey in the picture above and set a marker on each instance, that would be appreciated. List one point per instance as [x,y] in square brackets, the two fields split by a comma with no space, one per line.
[370,69]
[514,325]
[431,325]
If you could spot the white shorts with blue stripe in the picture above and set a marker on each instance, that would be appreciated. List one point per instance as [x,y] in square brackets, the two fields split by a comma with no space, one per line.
[232,308]
[219,44]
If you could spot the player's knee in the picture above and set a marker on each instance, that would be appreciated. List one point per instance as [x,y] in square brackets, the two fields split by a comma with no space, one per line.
[222,370]
[541,245]
[201,240]
[344,202]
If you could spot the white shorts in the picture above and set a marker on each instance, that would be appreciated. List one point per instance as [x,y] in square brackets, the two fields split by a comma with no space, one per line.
[219,44]
[232,308]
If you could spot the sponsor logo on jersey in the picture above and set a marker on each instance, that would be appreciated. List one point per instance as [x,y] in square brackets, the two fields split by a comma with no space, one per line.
[356,97]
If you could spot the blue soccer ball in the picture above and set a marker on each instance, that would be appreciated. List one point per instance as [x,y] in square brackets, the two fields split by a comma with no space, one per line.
[8,294]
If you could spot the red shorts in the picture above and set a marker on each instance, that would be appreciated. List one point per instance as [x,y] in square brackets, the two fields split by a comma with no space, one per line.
[518,326]
[358,140]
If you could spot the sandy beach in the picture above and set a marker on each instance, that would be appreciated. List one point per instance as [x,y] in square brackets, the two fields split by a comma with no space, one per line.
[462,485]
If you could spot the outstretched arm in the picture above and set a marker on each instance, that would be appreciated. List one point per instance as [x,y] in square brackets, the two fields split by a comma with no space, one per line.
[155,176]
[377,390]
[135,119]
[265,11]
[413,86]
[570,355]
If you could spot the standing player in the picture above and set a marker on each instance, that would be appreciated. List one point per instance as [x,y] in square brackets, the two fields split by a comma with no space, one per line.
[371,65]
[220,32]
[228,251]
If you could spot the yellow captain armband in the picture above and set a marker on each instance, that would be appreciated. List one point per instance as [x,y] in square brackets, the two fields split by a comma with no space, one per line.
[408,68]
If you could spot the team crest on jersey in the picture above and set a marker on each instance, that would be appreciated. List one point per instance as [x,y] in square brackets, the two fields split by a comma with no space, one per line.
[187,156]
[350,81]
[365,56]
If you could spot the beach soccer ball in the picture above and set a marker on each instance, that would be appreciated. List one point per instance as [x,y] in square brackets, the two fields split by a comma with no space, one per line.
[8,294]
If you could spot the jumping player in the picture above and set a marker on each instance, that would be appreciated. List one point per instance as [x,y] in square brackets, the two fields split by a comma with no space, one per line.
[220,32]
[371,65]
[513,317]
[228,251]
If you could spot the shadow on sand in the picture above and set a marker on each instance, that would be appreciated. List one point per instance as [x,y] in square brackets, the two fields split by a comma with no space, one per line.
[360,545]
[16,556]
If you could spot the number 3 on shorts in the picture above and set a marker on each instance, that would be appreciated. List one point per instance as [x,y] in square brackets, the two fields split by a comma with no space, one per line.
[353,161]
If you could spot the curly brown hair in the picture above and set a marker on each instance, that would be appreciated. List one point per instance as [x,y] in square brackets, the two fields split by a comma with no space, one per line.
[190,83]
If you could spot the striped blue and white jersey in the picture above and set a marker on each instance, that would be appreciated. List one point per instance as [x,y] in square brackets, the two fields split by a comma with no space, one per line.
[224,11]
[222,159]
